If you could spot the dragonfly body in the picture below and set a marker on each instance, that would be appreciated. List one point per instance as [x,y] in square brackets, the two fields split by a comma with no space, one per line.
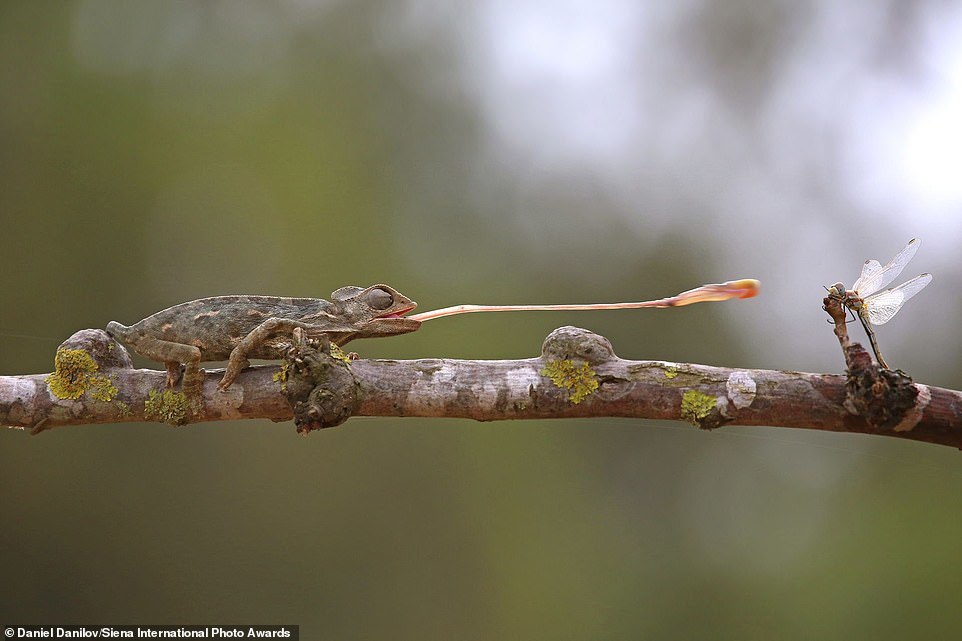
[873,305]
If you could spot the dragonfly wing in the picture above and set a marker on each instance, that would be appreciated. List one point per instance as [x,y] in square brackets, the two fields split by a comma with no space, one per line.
[869,268]
[883,306]
[879,278]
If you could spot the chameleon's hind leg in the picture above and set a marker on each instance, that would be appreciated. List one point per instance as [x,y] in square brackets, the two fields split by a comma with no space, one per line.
[173,373]
[172,355]
[238,356]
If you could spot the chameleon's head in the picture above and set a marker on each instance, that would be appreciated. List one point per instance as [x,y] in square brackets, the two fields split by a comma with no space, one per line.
[377,310]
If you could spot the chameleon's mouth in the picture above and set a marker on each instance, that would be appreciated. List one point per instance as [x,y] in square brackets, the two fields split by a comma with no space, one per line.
[399,314]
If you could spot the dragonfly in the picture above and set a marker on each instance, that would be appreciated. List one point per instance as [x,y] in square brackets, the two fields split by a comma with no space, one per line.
[742,288]
[873,305]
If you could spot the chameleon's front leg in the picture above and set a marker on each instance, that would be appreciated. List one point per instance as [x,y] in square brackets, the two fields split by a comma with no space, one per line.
[238,356]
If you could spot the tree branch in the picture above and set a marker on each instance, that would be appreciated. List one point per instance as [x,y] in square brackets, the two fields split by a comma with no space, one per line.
[577,376]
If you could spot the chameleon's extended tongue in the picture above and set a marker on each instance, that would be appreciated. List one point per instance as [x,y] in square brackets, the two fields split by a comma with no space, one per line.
[743,288]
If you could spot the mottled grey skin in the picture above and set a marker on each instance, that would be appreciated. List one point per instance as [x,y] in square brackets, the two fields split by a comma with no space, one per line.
[234,328]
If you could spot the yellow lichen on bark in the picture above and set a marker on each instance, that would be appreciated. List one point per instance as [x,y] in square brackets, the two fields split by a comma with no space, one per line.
[74,373]
[579,382]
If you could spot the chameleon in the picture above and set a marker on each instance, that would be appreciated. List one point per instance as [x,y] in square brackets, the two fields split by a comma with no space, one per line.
[236,327]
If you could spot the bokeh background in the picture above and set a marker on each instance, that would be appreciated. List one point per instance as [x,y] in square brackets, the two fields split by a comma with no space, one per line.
[485,152]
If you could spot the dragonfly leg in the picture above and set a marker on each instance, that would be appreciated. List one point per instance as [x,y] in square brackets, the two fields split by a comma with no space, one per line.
[847,320]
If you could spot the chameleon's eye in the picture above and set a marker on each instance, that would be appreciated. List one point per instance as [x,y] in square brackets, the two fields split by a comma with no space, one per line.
[379,299]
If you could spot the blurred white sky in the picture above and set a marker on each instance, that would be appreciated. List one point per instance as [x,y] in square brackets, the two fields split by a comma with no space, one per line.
[908,136]
[574,84]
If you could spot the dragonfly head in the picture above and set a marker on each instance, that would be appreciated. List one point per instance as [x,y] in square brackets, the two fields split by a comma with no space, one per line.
[838,289]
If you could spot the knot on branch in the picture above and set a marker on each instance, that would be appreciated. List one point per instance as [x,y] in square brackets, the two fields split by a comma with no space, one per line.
[102,348]
[319,387]
[884,398]
[570,355]
[574,342]
[82,364]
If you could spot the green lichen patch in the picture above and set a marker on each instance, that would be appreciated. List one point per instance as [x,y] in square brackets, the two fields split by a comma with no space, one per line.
[75,372]
[167,407]
[578,381]
[102,388]
[338,353]
[670,372]
[123,410]
[280,376]
[696,407]
[72,369]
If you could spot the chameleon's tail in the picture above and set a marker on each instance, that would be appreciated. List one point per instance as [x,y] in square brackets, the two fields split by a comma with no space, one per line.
[117,330]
